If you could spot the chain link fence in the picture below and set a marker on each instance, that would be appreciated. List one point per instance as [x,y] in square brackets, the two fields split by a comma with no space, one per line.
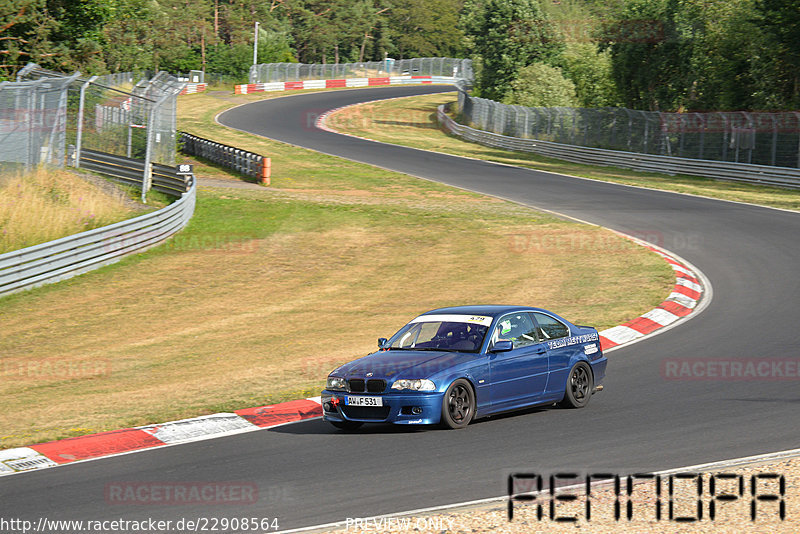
[428,66]
[739,137]
[47,117]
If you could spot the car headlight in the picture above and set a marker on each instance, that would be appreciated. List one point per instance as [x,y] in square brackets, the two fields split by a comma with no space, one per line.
[416,384]
[335,382]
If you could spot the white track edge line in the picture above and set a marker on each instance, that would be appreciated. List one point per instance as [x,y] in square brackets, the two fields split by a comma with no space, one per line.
[729,463]
[164,445]
[328,129]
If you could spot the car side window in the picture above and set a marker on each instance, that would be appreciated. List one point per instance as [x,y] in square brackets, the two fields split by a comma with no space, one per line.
[550,327]
[517,328]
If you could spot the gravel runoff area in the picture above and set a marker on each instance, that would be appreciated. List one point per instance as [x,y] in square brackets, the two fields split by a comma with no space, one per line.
[731,515]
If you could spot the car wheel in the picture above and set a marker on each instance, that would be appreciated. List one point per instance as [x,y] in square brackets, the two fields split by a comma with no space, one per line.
[458,405]
[580,384]
[346,425]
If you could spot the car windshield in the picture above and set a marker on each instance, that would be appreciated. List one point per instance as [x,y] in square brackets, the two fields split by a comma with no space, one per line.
[442,332]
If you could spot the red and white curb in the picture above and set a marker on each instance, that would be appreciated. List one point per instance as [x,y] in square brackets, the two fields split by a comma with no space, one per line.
[192,88]
[685,298]
[127,440]
[248,88]
[690,294]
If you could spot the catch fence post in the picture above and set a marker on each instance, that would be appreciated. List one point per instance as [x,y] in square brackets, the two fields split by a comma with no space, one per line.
[265,171]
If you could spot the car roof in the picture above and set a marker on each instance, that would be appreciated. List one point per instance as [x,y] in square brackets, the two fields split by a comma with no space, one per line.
[492,310]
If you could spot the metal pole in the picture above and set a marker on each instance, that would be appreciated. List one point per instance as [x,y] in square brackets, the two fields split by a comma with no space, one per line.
[80,121]
[773,156]
[797,118]
[255,47]
[148,158]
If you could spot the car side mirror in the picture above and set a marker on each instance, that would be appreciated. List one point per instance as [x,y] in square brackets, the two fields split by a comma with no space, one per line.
[502,345]
[383,342]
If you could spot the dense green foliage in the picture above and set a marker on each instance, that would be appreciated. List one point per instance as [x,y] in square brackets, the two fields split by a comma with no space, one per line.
[509,35]
[540,85]
[696,54]
[669,55]
[644,54]
[99,36]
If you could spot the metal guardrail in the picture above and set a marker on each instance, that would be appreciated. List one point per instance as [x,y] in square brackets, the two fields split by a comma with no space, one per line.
[76,254]
[241,161]
[719,170]
[130,171]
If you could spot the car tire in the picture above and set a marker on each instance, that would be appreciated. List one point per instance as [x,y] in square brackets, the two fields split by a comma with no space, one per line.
[458,405]
[579,386]
[346,425]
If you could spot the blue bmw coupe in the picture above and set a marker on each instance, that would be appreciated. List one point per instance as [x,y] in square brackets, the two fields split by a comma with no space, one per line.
[452,365]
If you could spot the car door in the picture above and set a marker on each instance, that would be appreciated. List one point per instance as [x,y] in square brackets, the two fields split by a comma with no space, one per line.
[518,376]
[554,334]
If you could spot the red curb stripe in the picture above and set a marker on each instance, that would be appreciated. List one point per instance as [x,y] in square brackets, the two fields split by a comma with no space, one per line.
[643,325]
[606,343]
[335,83]
[276,414]
[689,292]
[378,81]
[676,309]
[288,86]
[94,445]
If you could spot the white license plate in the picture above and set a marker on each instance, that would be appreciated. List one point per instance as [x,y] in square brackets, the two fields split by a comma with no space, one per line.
[363,401]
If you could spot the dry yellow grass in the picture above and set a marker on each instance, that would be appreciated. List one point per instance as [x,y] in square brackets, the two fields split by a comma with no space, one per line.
[46,204]
[268,290]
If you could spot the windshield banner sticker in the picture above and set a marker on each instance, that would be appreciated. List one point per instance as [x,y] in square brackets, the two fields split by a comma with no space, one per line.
[454,318]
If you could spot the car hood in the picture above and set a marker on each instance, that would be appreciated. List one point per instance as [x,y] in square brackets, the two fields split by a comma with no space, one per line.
[408,363]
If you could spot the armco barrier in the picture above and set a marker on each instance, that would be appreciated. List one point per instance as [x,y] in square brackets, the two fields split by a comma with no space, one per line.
[248,88]
[130,171]
[76,254]
[241,161]
[719,170]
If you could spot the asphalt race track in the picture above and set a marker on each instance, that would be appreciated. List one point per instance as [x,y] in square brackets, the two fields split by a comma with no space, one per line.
[308,473]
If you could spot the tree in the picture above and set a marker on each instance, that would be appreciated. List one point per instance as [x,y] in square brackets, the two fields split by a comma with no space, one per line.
[540,85]
[510,34]
[779,20]
[25,35]
[425,28]
[590,70]
[650,57]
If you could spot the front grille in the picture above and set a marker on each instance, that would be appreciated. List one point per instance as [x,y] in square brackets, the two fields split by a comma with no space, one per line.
[357,385]
[379,413]
[376,385]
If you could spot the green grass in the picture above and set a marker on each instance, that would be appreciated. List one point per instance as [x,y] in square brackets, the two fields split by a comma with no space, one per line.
[267,290]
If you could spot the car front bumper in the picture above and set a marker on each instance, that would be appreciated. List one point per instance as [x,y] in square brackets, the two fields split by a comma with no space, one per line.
[402,408]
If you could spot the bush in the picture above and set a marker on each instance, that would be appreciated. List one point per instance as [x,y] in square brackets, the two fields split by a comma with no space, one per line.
[541,85]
